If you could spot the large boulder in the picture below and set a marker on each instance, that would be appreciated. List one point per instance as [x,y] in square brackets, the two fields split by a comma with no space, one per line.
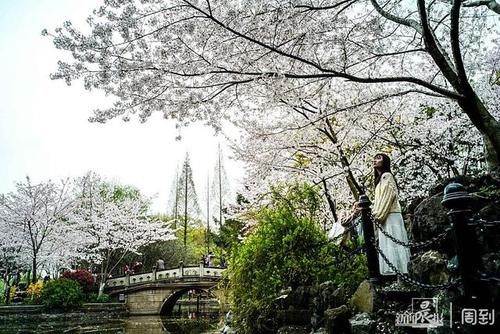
[298,298]
[430,219]
[429,268]
[491,263]
[293,317]
[361,323]
[363,300]
[328,295]
[337,320]
[489,235]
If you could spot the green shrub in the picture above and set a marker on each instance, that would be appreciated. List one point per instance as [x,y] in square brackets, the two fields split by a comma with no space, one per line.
[62,293]
[95,298]
[104,298]
[286,249]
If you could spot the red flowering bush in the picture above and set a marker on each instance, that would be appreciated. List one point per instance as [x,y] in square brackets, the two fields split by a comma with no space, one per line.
[83,277]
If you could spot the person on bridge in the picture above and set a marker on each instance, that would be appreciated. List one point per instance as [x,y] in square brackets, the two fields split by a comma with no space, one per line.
[160,264]
[211,258]
[387,212]
[222,261]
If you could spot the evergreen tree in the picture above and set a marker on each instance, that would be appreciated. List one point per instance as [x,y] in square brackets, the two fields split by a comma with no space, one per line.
[183,199]
[220,190]
[173,202]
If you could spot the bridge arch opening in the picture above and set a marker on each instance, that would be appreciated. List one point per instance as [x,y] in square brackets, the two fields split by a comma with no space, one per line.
[169,303]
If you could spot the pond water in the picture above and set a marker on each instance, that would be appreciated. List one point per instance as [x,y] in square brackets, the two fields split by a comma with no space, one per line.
[131,325]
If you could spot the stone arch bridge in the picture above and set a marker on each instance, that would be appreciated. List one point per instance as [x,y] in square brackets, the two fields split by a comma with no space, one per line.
[157,292]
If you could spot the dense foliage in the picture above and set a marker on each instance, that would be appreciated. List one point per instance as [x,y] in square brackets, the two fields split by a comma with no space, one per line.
[62,293]
[286,249]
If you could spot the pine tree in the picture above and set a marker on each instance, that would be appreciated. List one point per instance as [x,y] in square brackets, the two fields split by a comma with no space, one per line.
[173,202]
[220,192]
[183,199]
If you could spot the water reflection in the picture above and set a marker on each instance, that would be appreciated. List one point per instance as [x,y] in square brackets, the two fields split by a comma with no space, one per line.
[192,323]
[155,325]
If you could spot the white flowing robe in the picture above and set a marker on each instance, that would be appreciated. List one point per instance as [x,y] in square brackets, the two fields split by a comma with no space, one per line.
[387,211]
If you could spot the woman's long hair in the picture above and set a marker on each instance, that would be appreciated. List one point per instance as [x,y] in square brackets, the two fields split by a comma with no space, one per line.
[386,167]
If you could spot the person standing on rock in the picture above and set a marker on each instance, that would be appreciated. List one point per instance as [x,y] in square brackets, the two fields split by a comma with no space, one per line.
[387,212]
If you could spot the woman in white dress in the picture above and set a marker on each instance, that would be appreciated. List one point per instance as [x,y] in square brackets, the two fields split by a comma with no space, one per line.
[387,212]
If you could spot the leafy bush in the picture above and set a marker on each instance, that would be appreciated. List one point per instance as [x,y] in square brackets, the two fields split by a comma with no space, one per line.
[95,298]
[12,292]
[62,293]
[34,290]
[104,298]
[90,297]
[83,277]
[286,249]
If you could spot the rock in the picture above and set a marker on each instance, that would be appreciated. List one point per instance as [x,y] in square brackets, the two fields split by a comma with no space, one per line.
[429,268]
[293,330]
[330,295]
[228,318]
[227,330]
[299,298]
[337,320]
[364,297]
[320,331]
[430,219]
[327,296]
[362,324]
[489,237]
[490,211]
[266,323]
[491,263]
[293,317]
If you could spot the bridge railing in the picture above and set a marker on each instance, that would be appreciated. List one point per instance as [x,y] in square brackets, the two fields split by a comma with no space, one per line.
[190,272]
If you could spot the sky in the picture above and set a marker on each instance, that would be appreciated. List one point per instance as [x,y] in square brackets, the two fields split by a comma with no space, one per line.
[44,132]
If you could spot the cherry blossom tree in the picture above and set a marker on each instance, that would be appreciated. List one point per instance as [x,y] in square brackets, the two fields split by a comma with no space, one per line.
[210,60]
[428,143]
[111,221]
[10,259]
[34,216]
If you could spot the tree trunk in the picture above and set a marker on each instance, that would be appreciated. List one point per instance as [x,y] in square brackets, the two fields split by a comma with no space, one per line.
[33,278]
[487,125]
[185,208]
[102,284]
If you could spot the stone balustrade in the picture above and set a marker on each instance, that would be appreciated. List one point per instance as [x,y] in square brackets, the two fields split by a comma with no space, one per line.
[182,273]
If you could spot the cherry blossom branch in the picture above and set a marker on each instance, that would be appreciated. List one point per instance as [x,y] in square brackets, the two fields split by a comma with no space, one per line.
[326,72]
[491,4]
